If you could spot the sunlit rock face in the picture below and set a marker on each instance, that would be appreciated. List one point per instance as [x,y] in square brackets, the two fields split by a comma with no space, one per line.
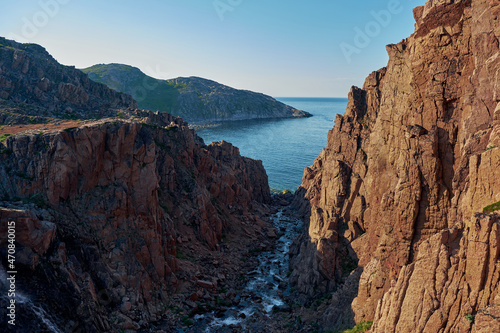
[415,154]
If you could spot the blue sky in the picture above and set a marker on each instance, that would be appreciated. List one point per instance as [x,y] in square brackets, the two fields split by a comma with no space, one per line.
[281,48]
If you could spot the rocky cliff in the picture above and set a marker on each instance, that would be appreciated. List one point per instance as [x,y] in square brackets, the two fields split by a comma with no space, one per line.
[102,210]
[196,100]
[121,223]
[393,201]
[34,87]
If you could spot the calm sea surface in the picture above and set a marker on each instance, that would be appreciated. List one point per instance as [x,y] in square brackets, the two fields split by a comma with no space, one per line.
[285,146]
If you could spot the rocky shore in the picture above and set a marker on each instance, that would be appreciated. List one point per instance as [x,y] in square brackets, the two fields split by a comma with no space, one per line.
[197,100]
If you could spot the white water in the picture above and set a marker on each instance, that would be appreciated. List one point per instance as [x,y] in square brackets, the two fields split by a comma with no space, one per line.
[40,313]
[272,269]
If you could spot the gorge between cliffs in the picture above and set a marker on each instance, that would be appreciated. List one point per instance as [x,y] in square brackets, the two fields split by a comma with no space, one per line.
[127,221]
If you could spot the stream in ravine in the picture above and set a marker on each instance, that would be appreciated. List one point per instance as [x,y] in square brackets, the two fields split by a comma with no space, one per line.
[265,290]
[261,296]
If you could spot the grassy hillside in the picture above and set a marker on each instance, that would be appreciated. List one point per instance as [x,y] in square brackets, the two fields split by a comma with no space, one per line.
[195,99]
[150,93]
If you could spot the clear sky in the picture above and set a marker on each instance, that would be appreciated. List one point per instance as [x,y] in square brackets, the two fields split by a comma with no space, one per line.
[278,47]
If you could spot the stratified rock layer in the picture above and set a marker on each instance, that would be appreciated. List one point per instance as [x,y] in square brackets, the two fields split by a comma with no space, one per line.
[415,153]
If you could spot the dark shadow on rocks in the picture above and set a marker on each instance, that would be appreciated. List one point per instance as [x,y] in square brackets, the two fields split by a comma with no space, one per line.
[314,277]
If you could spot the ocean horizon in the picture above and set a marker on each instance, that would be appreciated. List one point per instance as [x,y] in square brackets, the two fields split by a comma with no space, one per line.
[285,146]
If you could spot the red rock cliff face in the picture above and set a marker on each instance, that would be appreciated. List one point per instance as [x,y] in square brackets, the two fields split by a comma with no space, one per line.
[108,201]
[416,153]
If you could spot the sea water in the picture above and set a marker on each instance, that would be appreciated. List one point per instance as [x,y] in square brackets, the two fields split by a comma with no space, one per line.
[285,146]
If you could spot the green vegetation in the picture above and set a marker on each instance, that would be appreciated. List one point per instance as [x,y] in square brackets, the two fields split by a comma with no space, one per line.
[195,99]
[3,137]
[150,93]
[254,251]
[165,208]
[348,264]
[491,208]
[38,200]
[286,192]
[181,255]
[175,309]
[7,47]
[24,176]
[151,126]
[186,321]
[470,317]
[320,301]
[172,128]
[4,150]
[491,147]
[359,328]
